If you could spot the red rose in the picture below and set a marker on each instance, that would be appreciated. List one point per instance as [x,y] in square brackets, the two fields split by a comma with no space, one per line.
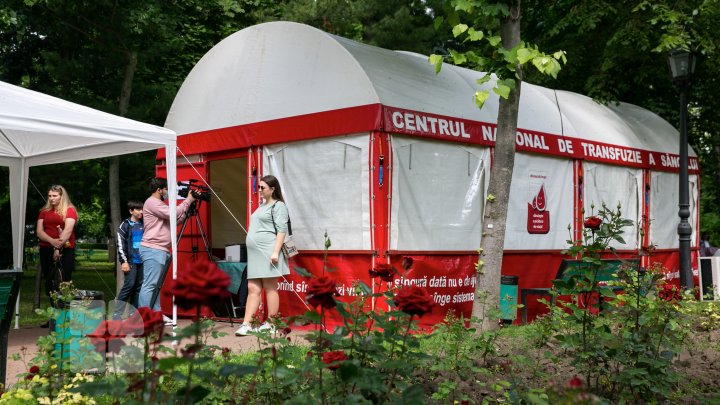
[592,223]
[414,300]
[383,270]
[334,359]
[320,292]
[202,283]
[669,293]
[145,322]
[108,336]
[575,382]
[34,370]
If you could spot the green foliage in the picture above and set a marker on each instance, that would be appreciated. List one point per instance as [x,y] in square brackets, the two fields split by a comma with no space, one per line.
[465,18]
[91,220]
[625,349]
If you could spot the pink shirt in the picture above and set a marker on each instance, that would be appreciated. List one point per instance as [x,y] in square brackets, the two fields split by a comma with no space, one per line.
[156,223]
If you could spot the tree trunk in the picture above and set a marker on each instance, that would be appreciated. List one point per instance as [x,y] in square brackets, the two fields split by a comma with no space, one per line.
[493,240]
[114,168]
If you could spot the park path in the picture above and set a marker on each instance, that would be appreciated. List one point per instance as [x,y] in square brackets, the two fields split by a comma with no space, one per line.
[27,337]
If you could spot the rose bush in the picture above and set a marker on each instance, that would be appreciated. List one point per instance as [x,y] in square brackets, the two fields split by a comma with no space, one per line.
[414,300]
[333,359]
[202,283]
[384,271]
[592,223]
[321,292]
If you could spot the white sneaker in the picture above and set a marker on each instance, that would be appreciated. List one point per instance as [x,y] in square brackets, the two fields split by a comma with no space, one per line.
[168,320]
[244,330]
[266,327]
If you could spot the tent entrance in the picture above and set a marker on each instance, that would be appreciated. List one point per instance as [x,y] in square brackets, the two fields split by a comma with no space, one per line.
[229,180]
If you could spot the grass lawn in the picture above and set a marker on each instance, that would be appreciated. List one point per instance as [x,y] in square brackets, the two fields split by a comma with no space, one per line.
[92,272]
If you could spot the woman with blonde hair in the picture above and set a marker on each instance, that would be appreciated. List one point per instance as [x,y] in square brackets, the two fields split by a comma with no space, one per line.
[55,229]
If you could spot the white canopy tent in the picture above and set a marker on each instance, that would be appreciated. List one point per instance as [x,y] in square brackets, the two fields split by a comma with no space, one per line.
[37,129]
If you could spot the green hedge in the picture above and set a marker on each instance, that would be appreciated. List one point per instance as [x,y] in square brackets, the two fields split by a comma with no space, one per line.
[101,246]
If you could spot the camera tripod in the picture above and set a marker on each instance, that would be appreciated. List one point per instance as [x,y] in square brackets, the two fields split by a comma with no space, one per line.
[196,232]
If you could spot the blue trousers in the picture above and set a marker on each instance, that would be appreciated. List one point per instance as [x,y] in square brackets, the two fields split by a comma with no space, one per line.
[130,290]
[155,263]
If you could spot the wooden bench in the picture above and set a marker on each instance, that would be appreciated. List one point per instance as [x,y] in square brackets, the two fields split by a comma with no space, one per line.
[9,288]
[569,268]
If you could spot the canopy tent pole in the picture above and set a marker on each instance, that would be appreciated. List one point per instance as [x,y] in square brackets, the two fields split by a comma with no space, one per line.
[171,170]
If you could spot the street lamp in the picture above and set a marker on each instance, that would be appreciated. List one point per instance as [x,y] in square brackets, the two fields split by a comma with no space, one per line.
[682,67]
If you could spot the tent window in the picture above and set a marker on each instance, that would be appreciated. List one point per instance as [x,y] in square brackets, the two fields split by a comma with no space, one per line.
[664,197]
[325,185]
[615,185]
[437,202]
[229,180]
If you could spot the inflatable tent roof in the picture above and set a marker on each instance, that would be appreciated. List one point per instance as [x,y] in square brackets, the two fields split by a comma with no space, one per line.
[277,70]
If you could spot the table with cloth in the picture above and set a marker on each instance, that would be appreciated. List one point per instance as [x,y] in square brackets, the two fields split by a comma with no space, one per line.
[238,285]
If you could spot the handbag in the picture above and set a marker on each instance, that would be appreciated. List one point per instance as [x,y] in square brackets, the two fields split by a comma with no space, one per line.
[288,247]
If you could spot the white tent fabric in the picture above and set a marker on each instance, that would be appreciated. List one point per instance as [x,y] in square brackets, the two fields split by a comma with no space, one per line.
[37,129]
[325,193]
[438,195]
[278,70]
[284,69]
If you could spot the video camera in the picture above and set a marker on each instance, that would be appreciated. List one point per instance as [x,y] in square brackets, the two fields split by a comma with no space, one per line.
[200,192]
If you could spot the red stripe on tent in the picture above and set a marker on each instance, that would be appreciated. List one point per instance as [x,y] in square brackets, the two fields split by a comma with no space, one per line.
[644,222]
[426,125]
[317,125]
[375,117]
[379,196]
[349,270]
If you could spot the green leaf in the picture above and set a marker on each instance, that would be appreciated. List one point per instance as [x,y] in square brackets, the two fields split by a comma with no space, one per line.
[472,57]
[484,79]
[494,40]
[413,394]
[438,22]
[302,272]
[459,29]
[463,5]
[457,57]
[364,288]
[474,35]
[237,370]
[312,316]
[170,363]
[195,395]
[480,97]
[525,54]
[436,60]
[348,370]
[502,90]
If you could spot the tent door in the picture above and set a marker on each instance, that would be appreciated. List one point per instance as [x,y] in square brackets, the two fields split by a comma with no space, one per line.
[229,179]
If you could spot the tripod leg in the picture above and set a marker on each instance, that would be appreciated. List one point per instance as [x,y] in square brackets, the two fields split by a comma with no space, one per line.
[204,237]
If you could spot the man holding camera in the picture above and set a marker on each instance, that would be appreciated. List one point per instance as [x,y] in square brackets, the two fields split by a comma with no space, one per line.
[155,244]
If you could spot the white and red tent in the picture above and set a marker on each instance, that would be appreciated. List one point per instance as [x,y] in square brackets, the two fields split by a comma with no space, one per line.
[393,161]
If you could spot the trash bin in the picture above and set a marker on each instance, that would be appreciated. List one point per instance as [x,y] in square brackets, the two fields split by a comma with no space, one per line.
[508,298]
[72,322]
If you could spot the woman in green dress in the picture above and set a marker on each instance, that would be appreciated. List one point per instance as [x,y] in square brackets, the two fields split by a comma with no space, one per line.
[268,227]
